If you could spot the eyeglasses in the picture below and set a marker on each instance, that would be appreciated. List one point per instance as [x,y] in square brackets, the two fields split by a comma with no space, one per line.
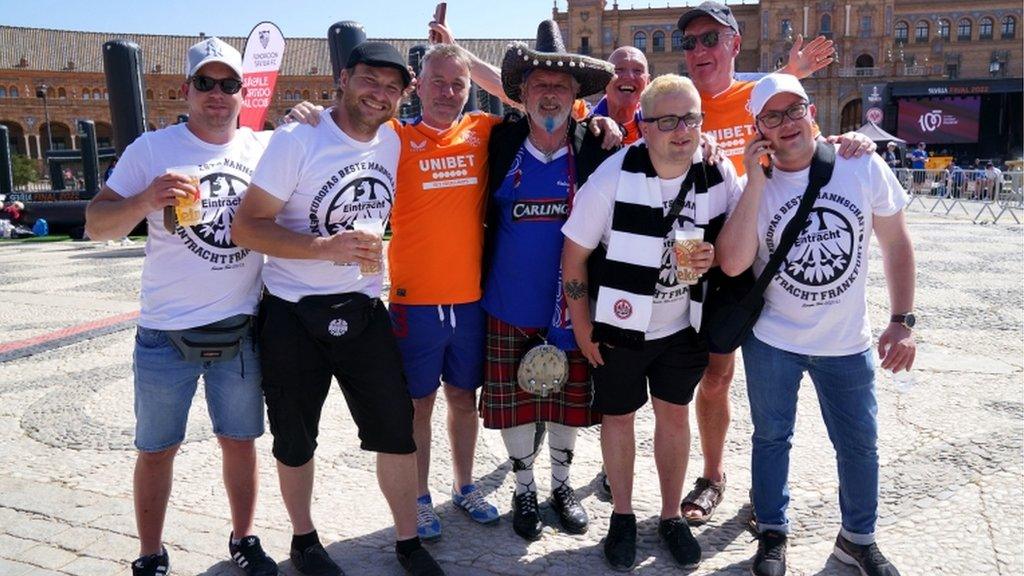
[774,118]
[227,85]
[669,122]
[708,39]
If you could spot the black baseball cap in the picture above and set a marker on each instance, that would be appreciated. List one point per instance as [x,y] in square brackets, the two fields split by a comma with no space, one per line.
[719,12]
[379,54]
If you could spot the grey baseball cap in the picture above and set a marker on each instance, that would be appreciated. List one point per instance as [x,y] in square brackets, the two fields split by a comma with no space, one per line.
[213,50]
[718,12]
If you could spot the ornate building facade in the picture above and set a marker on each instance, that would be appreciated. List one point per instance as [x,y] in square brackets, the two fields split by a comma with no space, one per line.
[888,51]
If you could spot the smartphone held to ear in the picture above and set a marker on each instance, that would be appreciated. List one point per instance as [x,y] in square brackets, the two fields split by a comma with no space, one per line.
[767,163]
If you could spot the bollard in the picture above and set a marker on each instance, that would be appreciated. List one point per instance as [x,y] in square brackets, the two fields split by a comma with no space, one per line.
[342,37]
[122,64]
[90,157]
[6,167]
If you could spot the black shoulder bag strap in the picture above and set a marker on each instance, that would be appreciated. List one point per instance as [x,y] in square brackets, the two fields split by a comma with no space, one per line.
[680,201]
[822,163]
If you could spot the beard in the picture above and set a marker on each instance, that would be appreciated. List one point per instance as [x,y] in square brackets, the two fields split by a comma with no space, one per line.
[359,116]
[548,121]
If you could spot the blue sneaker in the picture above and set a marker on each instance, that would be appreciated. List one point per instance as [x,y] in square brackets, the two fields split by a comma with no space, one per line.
[472,502]
[428,524]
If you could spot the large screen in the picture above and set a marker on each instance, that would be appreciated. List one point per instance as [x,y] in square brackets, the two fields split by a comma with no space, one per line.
[939,121]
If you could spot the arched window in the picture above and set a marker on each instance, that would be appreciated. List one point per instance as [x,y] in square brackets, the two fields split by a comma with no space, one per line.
[902,32]
[866,26]
[677,40]
[865,61]
[921,31]
[62,93]
[826,25]
[96,94]
[172,94]
[325,95]
[658,41]
[149,94]
[86,94]
[963,30]
[985,26]
[944,29]
[3,92]
[1009,28]
[305,95]
[640,41]
[13,92]
[287,94]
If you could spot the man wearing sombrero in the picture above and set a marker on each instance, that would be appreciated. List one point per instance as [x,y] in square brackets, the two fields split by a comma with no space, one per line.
[535,166]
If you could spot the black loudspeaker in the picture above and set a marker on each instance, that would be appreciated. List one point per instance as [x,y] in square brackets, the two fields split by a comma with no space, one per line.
[413,107]
[90,158]
[471,103]
[6,170]
[122,64]
[342,37]
[495,105]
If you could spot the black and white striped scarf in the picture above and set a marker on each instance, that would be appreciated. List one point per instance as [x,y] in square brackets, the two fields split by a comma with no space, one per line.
[633,257]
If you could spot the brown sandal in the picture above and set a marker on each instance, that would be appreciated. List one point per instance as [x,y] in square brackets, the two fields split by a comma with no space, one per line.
[705,496]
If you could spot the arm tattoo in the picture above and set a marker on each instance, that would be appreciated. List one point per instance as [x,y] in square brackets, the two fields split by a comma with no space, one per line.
[575,289]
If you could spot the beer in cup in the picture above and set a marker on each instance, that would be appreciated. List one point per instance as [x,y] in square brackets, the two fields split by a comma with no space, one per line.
[687,242]
[374,226]
[189,211]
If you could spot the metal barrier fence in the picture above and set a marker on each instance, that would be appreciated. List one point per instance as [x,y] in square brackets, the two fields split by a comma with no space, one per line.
[980,197]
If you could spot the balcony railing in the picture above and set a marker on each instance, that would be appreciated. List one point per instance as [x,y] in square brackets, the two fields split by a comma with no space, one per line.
[916,70]
[861,72]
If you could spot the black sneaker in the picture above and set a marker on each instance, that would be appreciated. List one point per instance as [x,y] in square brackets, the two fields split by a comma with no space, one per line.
[867,558]
[685,549]
[314,561]
[770,559]
[249,556]
[525,516]
[152,565]
[620,543]
[420,563]
[570,512]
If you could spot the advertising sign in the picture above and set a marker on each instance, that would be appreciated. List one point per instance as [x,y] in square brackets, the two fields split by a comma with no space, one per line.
[939,121]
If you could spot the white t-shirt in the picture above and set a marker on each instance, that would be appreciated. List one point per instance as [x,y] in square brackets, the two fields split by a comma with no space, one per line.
[817,303]
[590,223]
[328,181]
[196,275]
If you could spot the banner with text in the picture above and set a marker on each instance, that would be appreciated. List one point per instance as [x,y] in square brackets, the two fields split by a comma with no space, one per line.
[939,121]
[262,59]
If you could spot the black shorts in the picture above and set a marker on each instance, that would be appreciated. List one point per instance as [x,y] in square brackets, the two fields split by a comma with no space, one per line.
[671,366]
[297,370]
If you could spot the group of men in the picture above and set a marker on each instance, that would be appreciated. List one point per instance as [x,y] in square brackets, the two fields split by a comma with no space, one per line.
[509,236]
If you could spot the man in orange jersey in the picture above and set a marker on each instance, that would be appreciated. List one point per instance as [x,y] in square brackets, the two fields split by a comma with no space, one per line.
[711,41]
[435,258]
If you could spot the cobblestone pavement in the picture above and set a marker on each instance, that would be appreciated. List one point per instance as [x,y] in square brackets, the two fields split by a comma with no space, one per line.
[951,447]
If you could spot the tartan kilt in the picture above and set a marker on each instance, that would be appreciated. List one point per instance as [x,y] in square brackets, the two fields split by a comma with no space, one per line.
[504,405]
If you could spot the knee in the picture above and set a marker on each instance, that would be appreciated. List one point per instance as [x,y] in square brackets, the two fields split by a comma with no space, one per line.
[236,446]
[617,423]
[164,456]
[423,408]
[460,400]
[716,381]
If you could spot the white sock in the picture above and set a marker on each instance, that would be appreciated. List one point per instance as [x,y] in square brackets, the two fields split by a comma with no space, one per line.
[521,450]
[561,444]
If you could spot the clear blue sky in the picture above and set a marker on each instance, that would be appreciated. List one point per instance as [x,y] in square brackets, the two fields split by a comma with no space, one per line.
[308,18]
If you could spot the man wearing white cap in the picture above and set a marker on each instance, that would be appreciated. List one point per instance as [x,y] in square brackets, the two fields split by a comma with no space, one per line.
[815,314]
[199,292]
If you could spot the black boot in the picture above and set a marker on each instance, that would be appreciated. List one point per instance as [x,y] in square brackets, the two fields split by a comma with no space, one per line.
[570,512]
[525,516]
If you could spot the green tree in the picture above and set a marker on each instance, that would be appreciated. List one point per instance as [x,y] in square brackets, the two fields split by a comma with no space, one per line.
[24,170]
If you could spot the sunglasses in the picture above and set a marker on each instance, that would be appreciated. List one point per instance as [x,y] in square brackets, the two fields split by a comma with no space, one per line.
[670,122]
[227,85]
[774,118]
[708,39]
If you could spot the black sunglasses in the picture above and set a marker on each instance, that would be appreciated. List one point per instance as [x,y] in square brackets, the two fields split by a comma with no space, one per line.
[708,39]
[670,122]
[227,85]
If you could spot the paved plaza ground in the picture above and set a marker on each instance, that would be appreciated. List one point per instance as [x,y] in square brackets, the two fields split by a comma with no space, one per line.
[952,491]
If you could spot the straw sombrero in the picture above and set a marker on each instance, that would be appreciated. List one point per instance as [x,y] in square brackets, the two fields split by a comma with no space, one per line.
[549,53]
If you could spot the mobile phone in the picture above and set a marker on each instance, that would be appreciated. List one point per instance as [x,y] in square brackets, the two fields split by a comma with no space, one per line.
[439,15]
[767,163]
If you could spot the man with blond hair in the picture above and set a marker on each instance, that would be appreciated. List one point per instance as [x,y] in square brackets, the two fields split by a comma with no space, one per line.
[636,323]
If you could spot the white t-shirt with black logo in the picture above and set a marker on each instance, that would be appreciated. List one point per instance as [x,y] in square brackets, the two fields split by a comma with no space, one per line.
[197,275]
[817,304]
[590,223]
[327,180]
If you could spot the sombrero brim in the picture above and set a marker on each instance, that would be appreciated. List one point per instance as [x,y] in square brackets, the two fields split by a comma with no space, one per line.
[592,74]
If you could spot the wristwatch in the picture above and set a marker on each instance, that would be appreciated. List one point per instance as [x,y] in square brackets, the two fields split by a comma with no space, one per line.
[907,320]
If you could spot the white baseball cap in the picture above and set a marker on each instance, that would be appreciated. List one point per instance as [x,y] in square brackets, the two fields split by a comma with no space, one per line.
[213,49]
[771,85]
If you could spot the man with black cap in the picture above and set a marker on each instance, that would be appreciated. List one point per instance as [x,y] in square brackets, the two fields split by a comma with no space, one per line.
[321,315]
[535,166]
[711,41]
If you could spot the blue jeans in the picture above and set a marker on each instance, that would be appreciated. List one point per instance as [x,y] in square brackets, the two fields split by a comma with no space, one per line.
[165,385]
[846,393]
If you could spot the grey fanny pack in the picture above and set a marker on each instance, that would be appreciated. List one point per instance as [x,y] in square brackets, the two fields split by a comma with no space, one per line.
[214,342]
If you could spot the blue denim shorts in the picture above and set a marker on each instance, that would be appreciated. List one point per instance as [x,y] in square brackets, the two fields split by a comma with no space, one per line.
[165,385]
